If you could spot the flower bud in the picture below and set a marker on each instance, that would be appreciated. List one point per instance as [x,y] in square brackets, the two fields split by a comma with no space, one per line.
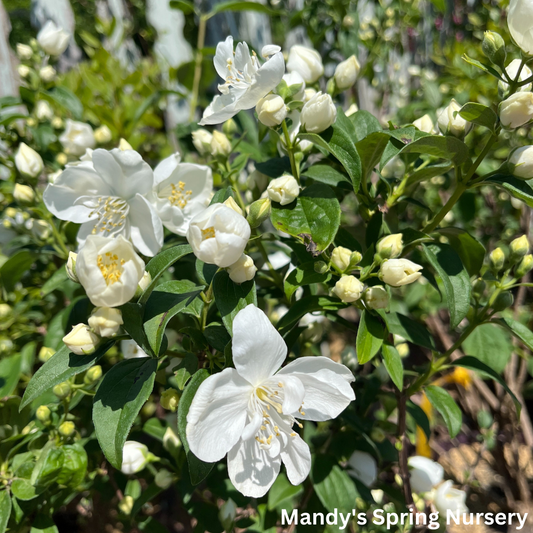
[518,21]
[341,258]
[306,61]
[106,321]
[169,400]
[519,248]
[283,190]
[449,499]
[48,73]
[227,514]
[220,145]
[28,161]
[363,466]
[521,162]
[102,135]
[45,353]
[398,272]
[346,73]
[53,39]
[320,267]
[93,374]
[390,246]
[516,110]
[62,159]
[504,300]
[478,288]
[124,145]
[71,267]
[201,139]
[376,297]
[77,137]
[43,111]
[243,270]
[348,289]
[81,340]
[318,114]
[271,110]
[493,46]
[425,474]
[134,457]
[452,124]
[143,284]
[258,212]
[23,194]
[67,429]
[309,93]
[232,204]
[24,51]
[230,127]
[426,124]
[497,259]
[24,71]
[402,349]
[171,441]
[43,414]
[62,390]
[352,110]
[164,479]
[125,505]
[524,266]
[5,310]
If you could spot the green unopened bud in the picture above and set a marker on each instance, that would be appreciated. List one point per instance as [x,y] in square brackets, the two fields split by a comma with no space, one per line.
[503,301]
[227,514]
[5,310]
[43,414]
[377,435]
[320,267]
[71,267]
[497,259]
[479,288]
[93,374]
[171,441]
[126,505]
[524,266]
[493,46]
[67,429]
[390,246]
[169,400]
[341,258]
[62,390]
[230,127]
[403,349]
[164,479]
[258,212]
[331,87]
[519,248]
[45,354]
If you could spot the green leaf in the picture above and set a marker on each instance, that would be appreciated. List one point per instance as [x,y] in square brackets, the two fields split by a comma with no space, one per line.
[469,249]
[304,274]
[515,187]
[364,124]
[485,68]
[159,264]
[221,196]
[370,336]
[472,363]
[10,369]
[21,487]
[328,175]
[420,417]
[275,167]
[132,315]
[61,367]
[118,400]
[517,329]
[443,146]
[238,5]
[338,140]
[74,466]
[333,486]
[15,267]
[230,297]
[393,364]
[429,172]
[48,466]
[314,217]
[453,279]
[67,100]
[446,406]
[282,492]
[5,510]
[185,369]
[371,149]
[183,5]
[409,329]
[43,524]
[56,281]
[198,470]
[491,345]
[479,114]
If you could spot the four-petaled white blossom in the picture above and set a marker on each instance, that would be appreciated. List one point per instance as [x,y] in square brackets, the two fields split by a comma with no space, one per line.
[249,411]
[108,198]
[246,79]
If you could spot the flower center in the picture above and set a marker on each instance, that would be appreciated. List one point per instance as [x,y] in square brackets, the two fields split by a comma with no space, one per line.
[177,195]
[112,212]
[240,78]
[208,233]
[110,267]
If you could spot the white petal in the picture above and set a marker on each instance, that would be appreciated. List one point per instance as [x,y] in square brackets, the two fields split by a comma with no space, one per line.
[270,49]
[223,53]
[294,393]
[251,469]
[217,415]
[146,229]
[253,426]
[166,168]
[258,349]
[327,386]
[297,459]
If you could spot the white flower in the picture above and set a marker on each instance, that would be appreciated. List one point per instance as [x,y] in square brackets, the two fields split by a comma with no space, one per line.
[102,134]
[283,190]
[109,270]
[449,499]
[398,272]
[341,258]
[248,412]
[53,176]
[108,197]
[23,194]
[106,321]
[363,466]
[71,266]
[516,110]
[24,51]
[232,204]
[295,78]
[134,457]
[181,190]
[521,161]
[346,73]
[201,138]
[306,61]
[246,80]
[131,350]
[451,124]
[39,228]
[77,137]
[218,235]
[376,297]
[145,281]
[53,39]
[390,246]
[308,94]
[23,71]
[43,111]
[425,474]
[271,110]
[220,144]
[81,340]
[319,113]
[352,110]
[426,124]
[28,161]
[520,22]
[348,289]
[243,270]
[48,73]
[512,71]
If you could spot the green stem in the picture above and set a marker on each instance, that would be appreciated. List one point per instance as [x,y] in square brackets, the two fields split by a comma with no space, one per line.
[290,149]
[198,65]
[446,208]
[207,298]
[57,235]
